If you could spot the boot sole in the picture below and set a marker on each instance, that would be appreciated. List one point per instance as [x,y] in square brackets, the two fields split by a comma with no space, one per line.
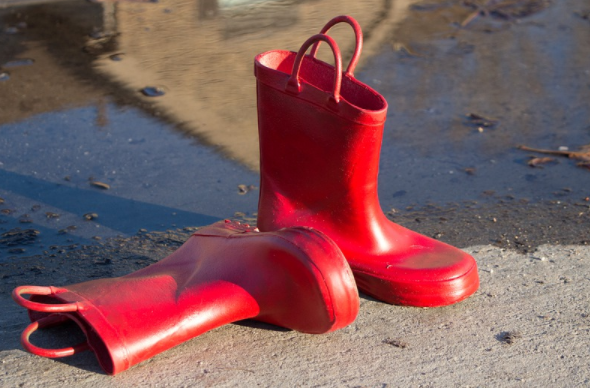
[418,294]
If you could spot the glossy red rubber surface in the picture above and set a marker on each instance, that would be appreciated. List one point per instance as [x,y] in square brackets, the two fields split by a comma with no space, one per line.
[319,163]
[296,278]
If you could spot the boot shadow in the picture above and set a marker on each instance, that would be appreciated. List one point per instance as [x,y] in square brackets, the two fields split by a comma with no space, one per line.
[69,334]
[64,335]
[251,323]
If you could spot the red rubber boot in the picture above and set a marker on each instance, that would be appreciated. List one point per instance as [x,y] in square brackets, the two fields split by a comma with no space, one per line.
[296,278]
[320,139]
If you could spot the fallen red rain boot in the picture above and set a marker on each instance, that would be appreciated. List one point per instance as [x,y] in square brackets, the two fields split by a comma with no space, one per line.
[320,139]
[296,278]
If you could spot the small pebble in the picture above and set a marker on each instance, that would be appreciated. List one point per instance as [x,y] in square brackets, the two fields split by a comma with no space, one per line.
[510,337]
[90,216]
[242,189]
[67,229]
[25,219]
[117,57]
[152,91]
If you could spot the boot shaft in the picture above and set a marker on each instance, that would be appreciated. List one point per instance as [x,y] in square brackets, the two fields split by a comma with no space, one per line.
[295,278]
[314,155]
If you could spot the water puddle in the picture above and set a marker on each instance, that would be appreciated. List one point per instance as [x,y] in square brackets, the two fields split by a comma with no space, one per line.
[203,55]
[464,96]
[144,113]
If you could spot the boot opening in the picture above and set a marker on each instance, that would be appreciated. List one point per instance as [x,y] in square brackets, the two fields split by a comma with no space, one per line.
[96,343]
[321,75]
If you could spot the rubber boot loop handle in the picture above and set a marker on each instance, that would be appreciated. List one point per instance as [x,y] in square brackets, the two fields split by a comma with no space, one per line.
[49,353]
[359,40]
[42,307]
[294,86]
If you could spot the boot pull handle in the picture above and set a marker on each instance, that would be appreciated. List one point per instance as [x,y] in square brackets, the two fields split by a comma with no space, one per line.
[294,86]
[42,307]
[50,320]
[359,40]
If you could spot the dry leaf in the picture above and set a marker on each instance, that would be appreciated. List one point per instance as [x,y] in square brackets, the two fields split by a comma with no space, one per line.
[100,185]
[481,121]
[505,9]
[583,154]
[509,9]
[536,162]
[243,189]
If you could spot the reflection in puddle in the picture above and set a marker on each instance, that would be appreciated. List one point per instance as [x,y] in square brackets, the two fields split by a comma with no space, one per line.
[202,52]
[195,56]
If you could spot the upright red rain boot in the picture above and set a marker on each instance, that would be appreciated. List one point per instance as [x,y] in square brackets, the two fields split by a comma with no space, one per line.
[320,139]
[295,278]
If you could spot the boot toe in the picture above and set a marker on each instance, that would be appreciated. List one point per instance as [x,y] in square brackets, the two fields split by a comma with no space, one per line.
[425,275]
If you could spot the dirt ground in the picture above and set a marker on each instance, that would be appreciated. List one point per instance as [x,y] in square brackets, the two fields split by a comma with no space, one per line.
[529,324]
